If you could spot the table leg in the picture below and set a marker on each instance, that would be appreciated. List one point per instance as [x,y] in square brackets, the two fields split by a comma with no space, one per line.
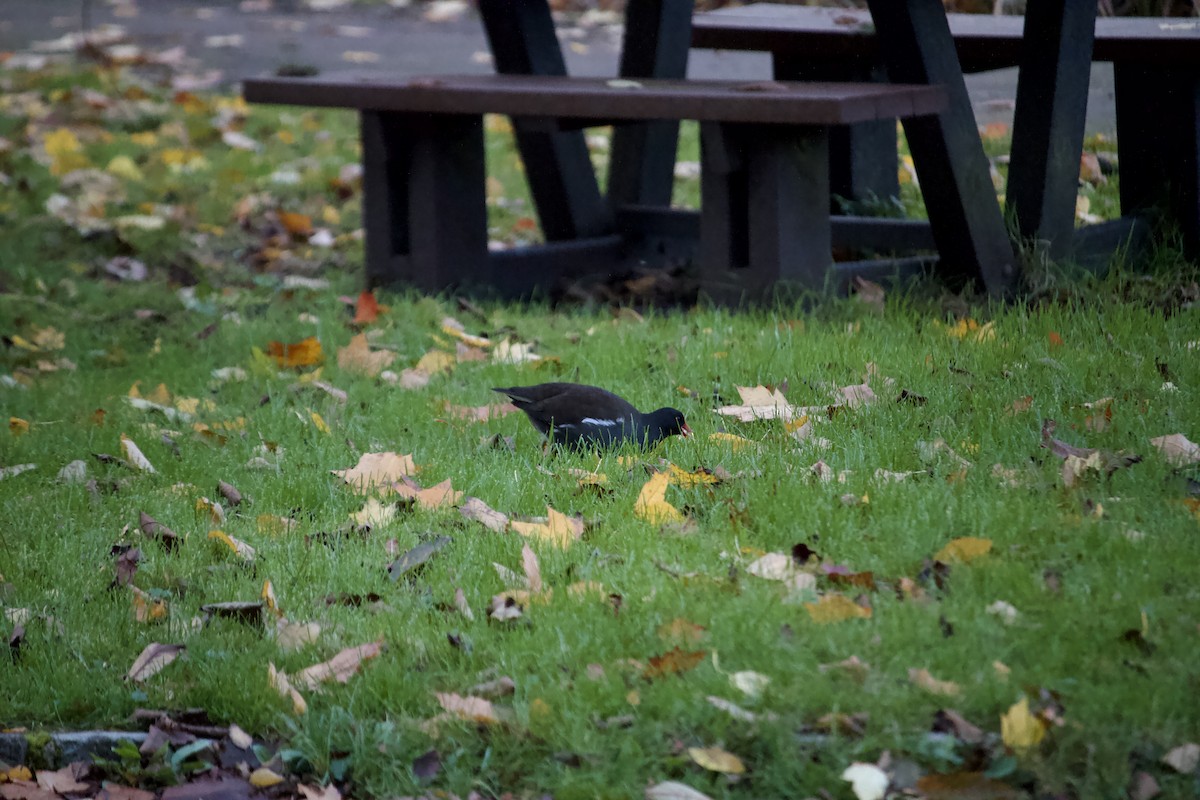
[658,34]
[764,209]
[1048,125]
[557,164]
[968,227]
[863,158]
[1158,142]
[424,200]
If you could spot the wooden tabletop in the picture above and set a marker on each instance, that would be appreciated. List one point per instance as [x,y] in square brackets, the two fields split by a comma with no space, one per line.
[983,41]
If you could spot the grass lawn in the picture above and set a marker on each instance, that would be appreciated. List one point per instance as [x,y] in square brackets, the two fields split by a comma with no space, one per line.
[803,597]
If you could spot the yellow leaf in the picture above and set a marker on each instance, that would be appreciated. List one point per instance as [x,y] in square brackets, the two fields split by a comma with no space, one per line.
[18,426]
[964,550]
[124,167]
[146,608]
[374,513]
[262,777]
[922,678]
[717,760]
[213,510]
[452,327]
[318,422]
[836,608]
[237,546]
[690,480]
[652,504]
[304,353]
[268,597]
[1019,728]
[736,442]
[18,773]
[436,361]
[558,529]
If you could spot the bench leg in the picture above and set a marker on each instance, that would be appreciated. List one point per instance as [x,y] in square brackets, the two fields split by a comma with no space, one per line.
[968,227]
[1048,125]
[424,200]
[1158,143]
[864,158]
[764,215]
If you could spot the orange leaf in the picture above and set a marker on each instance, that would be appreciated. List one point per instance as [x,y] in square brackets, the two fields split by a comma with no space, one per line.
[304,353]
[1055,339]
[367,309]
[673,662]
[296,224]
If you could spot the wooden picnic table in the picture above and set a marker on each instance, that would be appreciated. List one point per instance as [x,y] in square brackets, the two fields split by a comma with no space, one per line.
[1156,63]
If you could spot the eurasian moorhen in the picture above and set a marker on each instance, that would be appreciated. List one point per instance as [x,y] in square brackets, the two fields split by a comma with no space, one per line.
[577,415]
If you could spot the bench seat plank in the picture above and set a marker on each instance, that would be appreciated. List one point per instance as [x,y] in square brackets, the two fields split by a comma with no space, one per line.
[555,96]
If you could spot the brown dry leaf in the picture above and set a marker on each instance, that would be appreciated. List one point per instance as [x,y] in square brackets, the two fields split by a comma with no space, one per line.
[480,413]
[475,509]
[963,550]
[652,504]
[134,456]
[1177,450]
[153,658]
[558,529]
[533,570]
[472,709]
[1021,405]
[282,684]
[375,470]
[673,662]
[681,630]
[1075,468]
[154,529]
[434,497]
[759,402]
[1089,169]
[366,310]
[147,608]
[922,678]
[358,357]
[715,759]
[966,786]
[63,781]
[835,608]
[857,396]
[340,668]
[296,224]
[292,636]
[304,353]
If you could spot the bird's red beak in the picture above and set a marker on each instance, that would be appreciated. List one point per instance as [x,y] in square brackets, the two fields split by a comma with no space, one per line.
[685,430]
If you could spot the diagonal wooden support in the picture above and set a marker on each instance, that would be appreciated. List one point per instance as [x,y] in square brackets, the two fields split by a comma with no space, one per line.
[658,34]
[1048,126]
[914,38]
[557,166]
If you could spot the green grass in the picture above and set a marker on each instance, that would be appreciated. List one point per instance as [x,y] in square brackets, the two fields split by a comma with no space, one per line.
[1122,708]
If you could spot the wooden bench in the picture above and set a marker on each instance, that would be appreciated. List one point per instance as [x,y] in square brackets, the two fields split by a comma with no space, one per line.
[764,183]
[1156,63]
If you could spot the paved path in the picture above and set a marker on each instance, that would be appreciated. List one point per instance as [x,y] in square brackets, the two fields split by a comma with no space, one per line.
[405,43]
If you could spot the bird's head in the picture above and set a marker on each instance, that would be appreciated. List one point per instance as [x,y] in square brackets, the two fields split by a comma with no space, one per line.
[671,422]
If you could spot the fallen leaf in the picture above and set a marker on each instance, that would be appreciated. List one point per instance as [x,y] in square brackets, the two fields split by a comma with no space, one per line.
[963,550]
[867,781]
[652,505]
[442,494]
[304,353]
[435,361]
[374,470]
[533,570]
[291,636]
[922,678]
[472,709]
[512,352]
[416,557]
[558,529]
[772,567]
[759,402]
[715,759]
[475,509]
[671,790]
[480,413]
[328,792]
[966,786]
[283,685]
[733,440]
[1184,758]
[1019,728]
[672,662]
[681,630]
[366,310]
[374,514]
[1177,450]
[1005,611]
[835,608]
[147,608]
[749,683]
[154,529]
[452,327]
[152,659]
[134,456]
[358,357]
[236,546]
[63,781]
[341,668]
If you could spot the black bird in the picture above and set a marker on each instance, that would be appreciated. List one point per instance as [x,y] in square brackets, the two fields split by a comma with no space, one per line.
[577,415]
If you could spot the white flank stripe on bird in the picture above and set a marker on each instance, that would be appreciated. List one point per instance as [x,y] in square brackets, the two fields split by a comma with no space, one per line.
[608,423]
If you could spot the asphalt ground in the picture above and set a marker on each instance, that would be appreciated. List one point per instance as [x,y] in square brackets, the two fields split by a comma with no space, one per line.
[399,40]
